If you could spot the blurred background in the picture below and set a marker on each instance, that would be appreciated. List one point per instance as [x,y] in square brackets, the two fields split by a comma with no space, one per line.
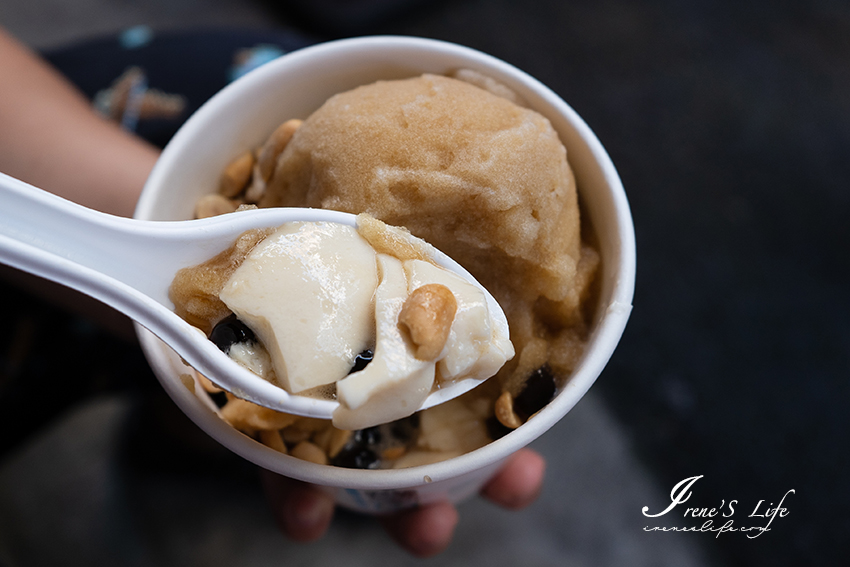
[730,125]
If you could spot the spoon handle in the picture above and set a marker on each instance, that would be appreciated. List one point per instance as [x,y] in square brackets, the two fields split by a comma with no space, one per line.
[92,252]
[129,264]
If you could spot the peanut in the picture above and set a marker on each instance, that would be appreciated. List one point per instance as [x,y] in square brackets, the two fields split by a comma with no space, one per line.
[505,411]
[307,451]
[236,175]
[339,438]
[207,384]
[293,435]
[248,417]
[427,315]
[271,438]
[393,453]
[332,440]
[274,146]
[213,205]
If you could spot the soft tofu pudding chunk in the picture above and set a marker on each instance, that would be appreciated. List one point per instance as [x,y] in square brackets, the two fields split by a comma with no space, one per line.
[306,292]
[395,383]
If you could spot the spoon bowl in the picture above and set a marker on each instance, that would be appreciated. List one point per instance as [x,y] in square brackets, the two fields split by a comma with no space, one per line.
[129,264]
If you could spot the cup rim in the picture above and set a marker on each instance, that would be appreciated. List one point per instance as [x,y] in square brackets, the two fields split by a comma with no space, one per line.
[601,344]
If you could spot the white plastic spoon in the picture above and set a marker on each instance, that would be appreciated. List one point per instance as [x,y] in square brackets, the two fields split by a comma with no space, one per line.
[129,265]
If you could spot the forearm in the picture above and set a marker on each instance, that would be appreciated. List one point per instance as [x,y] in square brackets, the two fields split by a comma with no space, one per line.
[51,137]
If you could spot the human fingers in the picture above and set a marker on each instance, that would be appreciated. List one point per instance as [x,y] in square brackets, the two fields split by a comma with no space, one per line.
[519,482]
[303,512]
[423,531]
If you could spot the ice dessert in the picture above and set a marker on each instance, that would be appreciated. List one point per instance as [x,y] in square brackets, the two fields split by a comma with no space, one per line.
[476,175]
[467,168]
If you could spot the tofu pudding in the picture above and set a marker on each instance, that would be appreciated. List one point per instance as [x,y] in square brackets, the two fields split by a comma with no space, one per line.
[319,300]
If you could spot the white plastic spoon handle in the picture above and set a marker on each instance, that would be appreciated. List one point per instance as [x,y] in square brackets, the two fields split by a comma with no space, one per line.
[129,264]
[133,252]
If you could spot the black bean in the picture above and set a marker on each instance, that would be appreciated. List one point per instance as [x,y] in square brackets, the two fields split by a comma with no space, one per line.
[356,457]
[361,361]
[405,429]
[367,437]
[538,391]
[495,429]
[230,331]
[219,398]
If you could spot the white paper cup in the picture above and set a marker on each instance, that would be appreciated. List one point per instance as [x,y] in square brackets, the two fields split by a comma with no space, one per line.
[242,116]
